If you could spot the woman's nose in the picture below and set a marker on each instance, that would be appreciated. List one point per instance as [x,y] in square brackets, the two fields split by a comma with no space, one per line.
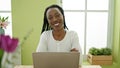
[54,19]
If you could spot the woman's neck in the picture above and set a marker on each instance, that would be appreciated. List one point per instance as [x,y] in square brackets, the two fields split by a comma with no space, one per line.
[59,35]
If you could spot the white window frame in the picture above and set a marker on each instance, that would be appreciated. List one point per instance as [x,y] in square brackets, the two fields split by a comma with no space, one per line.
[8,31]
[110,23]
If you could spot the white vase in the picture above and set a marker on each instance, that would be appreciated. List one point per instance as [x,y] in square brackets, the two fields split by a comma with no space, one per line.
[9,60]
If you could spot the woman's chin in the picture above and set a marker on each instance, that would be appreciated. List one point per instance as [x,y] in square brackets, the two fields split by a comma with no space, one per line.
[58,29]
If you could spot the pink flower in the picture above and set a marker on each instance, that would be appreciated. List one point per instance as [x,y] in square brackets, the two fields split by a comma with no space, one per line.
[4,24]
[8,44]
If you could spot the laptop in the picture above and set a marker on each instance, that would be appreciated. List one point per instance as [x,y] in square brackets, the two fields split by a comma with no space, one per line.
[56,59]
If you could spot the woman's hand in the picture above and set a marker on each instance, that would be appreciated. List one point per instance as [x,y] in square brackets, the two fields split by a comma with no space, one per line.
[74,50]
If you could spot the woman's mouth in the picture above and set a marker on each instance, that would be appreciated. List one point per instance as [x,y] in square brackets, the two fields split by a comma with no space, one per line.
[56,24]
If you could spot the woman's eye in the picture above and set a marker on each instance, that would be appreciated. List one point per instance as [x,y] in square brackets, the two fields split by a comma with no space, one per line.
[58,15]
[50,18]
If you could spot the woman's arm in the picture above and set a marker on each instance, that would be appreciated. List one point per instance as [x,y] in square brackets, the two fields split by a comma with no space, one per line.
[74,50]
[42,46]
[76,45]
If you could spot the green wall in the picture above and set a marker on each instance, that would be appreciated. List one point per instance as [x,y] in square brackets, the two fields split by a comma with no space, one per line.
[117,32]
[28,14]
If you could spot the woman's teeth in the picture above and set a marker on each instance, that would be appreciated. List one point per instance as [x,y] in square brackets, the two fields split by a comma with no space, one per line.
[56,24]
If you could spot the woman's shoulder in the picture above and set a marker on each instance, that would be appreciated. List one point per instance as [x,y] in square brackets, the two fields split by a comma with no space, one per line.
[47,32]
[71,32]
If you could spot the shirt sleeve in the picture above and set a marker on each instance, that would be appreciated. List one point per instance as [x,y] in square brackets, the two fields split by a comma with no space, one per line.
[76,44]
[75,41]
[42,45]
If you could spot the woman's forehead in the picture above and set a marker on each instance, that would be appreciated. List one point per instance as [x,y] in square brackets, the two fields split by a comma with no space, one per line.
[53,11]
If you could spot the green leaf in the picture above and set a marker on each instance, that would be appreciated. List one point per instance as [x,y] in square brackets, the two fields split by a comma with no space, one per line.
[6,18]
[0,18]
[3,19]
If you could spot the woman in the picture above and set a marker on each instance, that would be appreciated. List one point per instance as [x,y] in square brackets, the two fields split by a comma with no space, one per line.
[55,36]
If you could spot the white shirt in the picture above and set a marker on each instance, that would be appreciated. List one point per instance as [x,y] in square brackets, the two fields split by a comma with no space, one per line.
[47,42]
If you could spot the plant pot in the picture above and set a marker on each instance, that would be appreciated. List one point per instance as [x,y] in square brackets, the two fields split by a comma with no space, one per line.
[100,59]
[2,31]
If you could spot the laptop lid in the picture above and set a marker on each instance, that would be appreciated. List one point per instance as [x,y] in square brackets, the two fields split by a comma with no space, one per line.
[56,59]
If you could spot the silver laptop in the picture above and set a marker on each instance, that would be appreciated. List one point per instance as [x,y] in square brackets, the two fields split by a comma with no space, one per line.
[56,59]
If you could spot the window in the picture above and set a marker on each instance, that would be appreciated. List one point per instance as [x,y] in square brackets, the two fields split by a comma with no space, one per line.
[5,10]
[92,20]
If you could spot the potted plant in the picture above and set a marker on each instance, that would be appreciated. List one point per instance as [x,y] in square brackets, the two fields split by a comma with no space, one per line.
[101,56]
[3,23]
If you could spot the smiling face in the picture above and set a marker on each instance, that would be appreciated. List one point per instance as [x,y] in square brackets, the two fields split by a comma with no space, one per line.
[55,19]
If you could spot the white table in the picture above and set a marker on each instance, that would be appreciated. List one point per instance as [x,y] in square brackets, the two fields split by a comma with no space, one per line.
[84,66]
